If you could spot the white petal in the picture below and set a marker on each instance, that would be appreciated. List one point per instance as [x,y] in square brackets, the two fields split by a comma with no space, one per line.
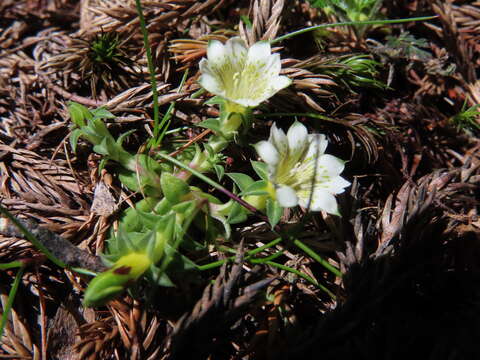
[297,136]
[259,52]
[210,83]
[286,196]
[279,83]
[246,102]
[267,152]
[322,200]
[216,52]
[331,165]
[318,145]
[336,185]
[236,50]
[203,65]
[274,64]
[279,139]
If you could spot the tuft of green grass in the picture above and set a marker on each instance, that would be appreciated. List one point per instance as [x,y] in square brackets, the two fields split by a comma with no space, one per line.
[107,62]
[467,118]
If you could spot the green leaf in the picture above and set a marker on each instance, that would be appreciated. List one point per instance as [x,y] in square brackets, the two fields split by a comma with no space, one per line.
[74,136]
[103,148]
[173,188]
[261,169]
[186,208]
[102,113]
[246,21]
[79,113]
[237,214]
[102,165]
[148,219]
[212,124]
[161,278]
[122,137]
[216,100]
[243,181]
[220,171]
[123,243]
[257,188]
[274,212]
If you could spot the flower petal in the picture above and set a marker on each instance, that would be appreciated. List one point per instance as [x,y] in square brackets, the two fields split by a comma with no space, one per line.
[273,65]
[216,52]
[259,52]
[322,200]
[279,139]
[267,152]
[286,196]
[297,136]
[211,84]
[336,185]
[318,145]
[330,165]
[245,102]
[280,82]
[236,51]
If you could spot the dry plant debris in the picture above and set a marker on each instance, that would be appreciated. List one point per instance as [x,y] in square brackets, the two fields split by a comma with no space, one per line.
[398,101]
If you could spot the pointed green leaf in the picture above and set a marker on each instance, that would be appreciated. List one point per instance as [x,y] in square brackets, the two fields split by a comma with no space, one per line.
[243,181]
[78,114]
[261,169]
[173,188]
[237,214]
[274,212]
[102,113]
[220,171]
[212,124]
[257,188]
[74,136]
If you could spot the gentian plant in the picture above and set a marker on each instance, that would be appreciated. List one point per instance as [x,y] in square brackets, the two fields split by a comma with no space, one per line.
[152,235]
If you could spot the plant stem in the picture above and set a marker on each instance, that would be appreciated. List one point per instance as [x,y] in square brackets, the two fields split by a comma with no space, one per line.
[349,23]
[151,69]
[317,258]
[302,275]
[231,258]
[32,239]
[12,264]
[212,183]
[11,297]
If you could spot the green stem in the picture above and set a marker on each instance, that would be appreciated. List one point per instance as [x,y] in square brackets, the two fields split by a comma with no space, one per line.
[168,114]
[312,115]
[10,265]
[84,271]
[250,253]
[302,275]
[32,239]
[151,69]
[210,182]
[350,23]
[267,258]
[11,297]
[317,258]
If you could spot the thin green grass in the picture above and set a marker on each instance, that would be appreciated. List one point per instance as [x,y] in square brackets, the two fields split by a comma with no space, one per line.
[11,298]
[151,69]
[349,23]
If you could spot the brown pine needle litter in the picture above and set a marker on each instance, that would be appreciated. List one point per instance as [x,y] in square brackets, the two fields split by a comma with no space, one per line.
[398,101]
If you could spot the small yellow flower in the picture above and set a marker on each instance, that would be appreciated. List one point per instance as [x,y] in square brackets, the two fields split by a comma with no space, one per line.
[300,171]
[246,77]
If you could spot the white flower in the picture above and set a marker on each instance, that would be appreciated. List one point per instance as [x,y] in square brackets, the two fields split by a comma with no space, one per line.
[299,169]
[243,76]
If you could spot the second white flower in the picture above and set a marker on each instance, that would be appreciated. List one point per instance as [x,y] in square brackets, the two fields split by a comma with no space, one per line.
[300,171]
